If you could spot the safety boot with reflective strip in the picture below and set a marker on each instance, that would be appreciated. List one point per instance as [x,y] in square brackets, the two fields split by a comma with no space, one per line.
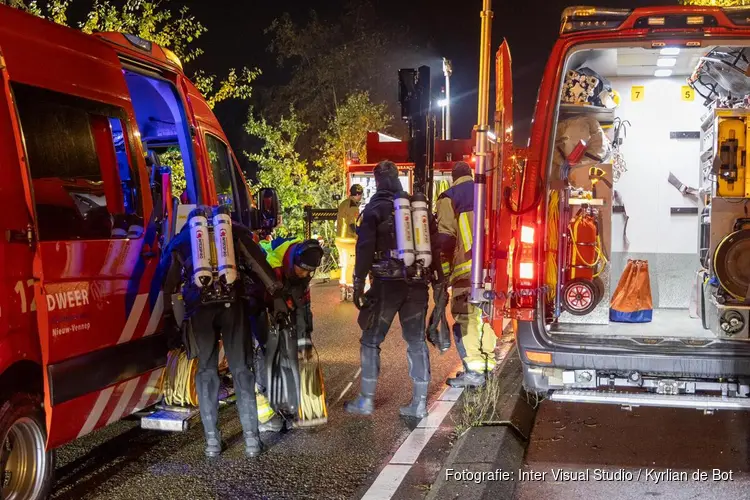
[468,379]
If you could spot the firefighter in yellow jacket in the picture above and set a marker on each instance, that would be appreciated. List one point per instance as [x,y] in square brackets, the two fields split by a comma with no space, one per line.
[475,339]
[346,239]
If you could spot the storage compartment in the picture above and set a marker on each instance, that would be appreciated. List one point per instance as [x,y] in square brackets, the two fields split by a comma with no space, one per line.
[647,231]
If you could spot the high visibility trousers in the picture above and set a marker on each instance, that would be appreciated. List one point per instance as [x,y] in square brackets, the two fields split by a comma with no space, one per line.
[347,256]
[265,412]
[477,339]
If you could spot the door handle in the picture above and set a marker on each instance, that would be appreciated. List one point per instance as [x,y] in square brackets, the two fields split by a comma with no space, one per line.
[147,252]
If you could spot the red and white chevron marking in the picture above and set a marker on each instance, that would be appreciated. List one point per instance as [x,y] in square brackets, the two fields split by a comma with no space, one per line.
[125,398]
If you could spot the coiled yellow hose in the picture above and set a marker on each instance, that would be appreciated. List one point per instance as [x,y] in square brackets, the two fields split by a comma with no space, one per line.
[312,408]
[553,241]
[178,380]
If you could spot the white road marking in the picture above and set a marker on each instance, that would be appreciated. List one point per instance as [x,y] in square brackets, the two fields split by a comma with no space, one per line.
[393,474]
[390,478]
[387,483]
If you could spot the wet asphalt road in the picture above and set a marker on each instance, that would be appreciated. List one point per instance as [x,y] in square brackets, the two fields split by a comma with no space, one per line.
[338,460]
[646,441]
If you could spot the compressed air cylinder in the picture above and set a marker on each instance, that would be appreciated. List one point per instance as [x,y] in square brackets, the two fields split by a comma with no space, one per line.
[422,246]
[404,231]
[225,259]
[199,242]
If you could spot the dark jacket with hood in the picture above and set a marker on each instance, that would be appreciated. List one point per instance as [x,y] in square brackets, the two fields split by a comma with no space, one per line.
[376,236]
[176,269]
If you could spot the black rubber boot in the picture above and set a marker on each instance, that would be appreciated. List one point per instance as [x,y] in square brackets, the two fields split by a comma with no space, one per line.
[244,388]
[207,385]
[418,406]
[253,444]
[364,404]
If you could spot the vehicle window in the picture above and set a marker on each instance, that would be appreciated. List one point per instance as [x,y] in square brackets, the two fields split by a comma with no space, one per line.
[218,155]
[78,155]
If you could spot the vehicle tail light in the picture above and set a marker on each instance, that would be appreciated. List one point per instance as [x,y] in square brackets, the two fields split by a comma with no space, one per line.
[526,271]
[527,235]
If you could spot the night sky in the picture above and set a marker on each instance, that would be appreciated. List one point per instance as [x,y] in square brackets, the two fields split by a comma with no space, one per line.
[235,38]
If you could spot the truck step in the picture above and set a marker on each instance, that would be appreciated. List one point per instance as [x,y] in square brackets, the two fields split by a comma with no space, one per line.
[172,420]
[699,402]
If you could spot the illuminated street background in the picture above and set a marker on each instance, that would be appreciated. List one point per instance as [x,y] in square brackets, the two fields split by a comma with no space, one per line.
[125,462]
[343,458]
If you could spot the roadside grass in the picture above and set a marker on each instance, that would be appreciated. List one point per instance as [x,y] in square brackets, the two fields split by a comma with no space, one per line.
[479,405]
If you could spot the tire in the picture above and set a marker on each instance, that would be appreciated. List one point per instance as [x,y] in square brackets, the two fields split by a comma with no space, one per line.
[599,284]
[580,296]
[27,467]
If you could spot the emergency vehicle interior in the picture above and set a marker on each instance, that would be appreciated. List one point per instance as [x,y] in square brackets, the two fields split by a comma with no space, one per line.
[84,182]
[162,124]
[659,177]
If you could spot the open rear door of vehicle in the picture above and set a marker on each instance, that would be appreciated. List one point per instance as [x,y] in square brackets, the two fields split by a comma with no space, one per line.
[504,188]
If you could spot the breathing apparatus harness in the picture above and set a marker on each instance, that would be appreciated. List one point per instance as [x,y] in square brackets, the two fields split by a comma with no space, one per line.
[214,270]
[410,229]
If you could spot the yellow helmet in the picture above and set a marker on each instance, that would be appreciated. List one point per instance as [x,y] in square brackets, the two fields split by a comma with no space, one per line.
[616,97]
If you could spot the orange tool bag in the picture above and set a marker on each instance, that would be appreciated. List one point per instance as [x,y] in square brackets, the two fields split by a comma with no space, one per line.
[584,246]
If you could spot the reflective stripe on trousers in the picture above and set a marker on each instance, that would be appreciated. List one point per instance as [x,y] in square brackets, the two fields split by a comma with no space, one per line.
[478,338]
[265,412]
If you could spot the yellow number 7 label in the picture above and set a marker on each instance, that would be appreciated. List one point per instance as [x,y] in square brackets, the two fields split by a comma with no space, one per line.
[636,93]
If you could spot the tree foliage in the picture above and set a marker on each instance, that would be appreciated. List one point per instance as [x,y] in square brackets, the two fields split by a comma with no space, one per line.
[331,59]
[281,167]
[156,22]
[346,132]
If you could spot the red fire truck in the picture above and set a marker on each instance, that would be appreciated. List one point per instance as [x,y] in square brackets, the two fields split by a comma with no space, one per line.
[83,121]
[669,324]
[383,147]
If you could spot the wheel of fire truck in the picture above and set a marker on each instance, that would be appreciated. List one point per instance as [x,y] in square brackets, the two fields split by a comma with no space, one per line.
[27,467]
[580,296]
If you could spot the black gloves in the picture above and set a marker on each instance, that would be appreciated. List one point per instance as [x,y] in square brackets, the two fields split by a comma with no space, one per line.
[280,307]
[360,301]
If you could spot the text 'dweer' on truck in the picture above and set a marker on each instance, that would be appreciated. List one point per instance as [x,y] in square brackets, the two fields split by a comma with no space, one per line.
[624,260]
[84,121]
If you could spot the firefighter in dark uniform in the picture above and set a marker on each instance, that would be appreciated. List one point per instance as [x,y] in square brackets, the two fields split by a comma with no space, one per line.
[214,311]
[395,289]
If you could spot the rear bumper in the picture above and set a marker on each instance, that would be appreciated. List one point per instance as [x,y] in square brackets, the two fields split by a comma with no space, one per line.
[708,363]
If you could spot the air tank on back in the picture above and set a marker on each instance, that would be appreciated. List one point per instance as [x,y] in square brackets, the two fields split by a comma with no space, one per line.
[225,257]
[420,210]
[404,231]
[199,242]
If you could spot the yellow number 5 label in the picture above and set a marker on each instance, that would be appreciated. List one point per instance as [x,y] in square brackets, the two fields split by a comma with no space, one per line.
[688,94]
[636,93]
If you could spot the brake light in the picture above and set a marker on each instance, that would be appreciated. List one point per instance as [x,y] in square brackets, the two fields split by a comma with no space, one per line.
[526,271]
[527,235]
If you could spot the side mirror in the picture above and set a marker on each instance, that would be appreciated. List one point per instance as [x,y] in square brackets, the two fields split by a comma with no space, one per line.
[269,208]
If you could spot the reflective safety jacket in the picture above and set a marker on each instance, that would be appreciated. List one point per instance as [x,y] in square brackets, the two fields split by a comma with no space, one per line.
[455,219]
[346,222]
[297,289]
